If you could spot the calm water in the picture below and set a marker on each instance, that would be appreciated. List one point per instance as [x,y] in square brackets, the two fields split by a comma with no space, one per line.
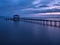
[28,33]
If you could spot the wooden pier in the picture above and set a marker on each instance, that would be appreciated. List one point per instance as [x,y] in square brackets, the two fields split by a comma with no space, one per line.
[55,23]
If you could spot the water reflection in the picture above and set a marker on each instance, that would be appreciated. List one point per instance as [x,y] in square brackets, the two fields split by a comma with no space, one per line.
[16,23]
[45,34]
[28,33]
[39,22]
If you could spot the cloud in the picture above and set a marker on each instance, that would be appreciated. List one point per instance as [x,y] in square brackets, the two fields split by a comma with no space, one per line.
[36,2]
[54,3]
[43,8]
[41,3]
[21,3]
[28,7]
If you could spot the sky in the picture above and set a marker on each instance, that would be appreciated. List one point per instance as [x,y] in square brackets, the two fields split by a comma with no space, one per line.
[28,7]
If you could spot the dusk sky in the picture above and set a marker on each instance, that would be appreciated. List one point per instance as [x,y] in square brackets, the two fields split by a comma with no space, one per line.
[27,7]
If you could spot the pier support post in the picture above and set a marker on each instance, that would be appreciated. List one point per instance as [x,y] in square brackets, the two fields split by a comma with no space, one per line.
[50,22]
[47,22]
[59,23]
[43,22]
[55,23]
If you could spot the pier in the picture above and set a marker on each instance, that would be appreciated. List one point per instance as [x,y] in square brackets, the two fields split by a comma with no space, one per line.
[55,23]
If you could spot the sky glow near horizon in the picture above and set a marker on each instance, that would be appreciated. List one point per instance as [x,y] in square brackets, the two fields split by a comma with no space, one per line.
[51,13]
[45,14]
[10,7]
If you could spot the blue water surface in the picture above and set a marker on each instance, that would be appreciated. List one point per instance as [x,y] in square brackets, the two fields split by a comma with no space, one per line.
[28,33]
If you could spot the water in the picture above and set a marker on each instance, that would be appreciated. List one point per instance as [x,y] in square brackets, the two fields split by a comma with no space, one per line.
[28,33]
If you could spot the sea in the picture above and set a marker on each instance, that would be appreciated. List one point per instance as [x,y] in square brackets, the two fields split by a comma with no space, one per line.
[28,33]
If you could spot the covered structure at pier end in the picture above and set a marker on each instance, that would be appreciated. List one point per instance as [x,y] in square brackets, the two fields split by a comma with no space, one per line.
[16,17]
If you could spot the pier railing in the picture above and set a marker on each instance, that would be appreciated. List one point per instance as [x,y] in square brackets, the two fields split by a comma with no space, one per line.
[55,23]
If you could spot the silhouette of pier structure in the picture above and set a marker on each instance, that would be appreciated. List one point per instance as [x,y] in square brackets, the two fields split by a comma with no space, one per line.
[54,23]
[14,18]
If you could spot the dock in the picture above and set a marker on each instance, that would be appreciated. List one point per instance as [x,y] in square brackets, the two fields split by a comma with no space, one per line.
[54,22]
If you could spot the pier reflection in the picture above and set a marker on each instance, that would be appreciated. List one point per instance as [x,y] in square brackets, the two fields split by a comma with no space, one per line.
[44,22]
[28,31]
[53,23]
